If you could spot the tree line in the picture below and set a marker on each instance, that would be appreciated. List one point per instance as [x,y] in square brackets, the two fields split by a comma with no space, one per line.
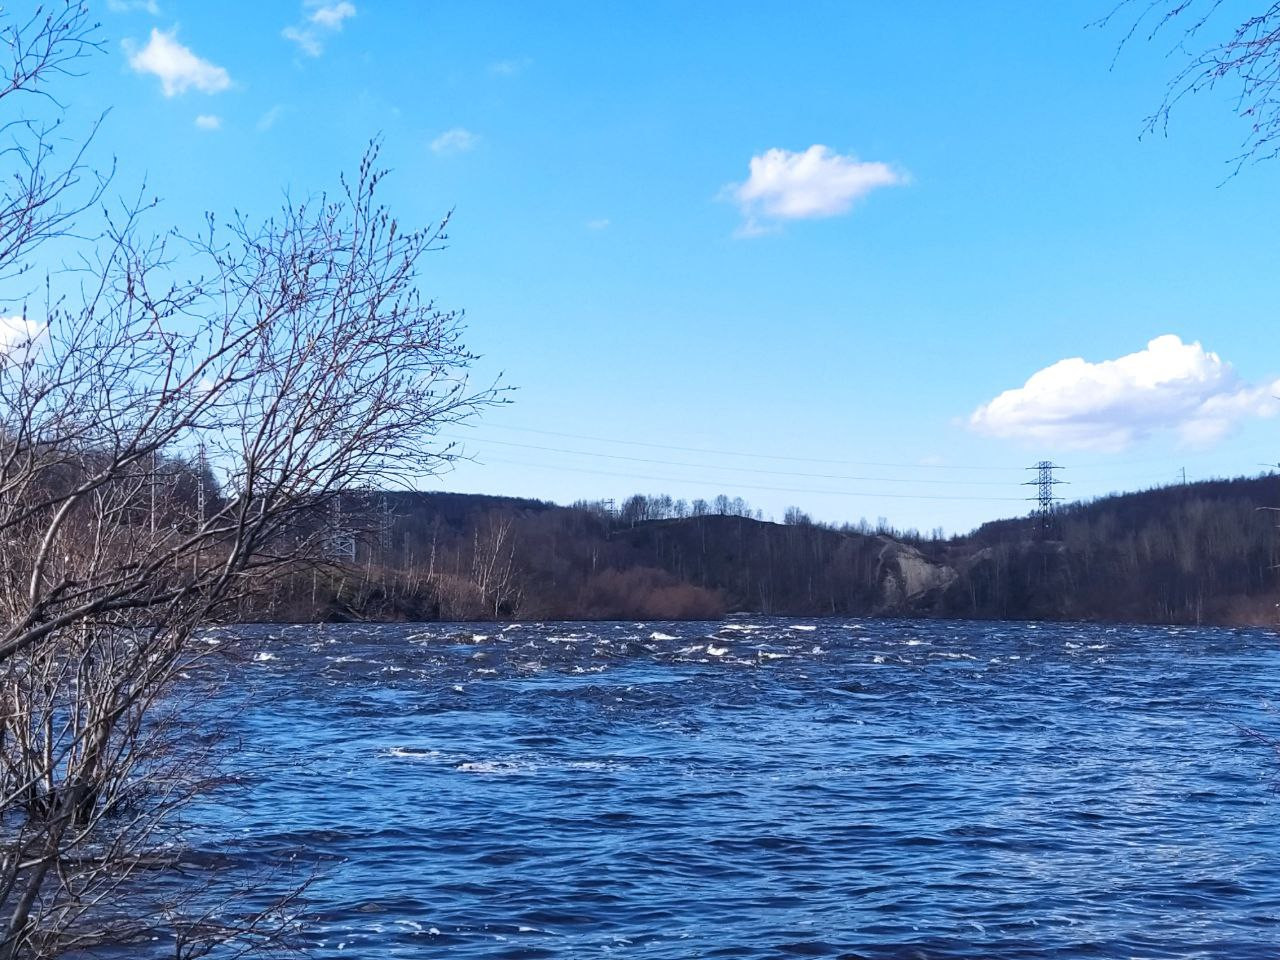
[1200,553]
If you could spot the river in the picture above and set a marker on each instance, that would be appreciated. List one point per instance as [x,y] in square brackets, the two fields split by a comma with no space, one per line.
[766,788]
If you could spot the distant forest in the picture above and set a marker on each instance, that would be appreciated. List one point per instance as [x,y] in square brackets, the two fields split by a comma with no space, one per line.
[1197,553]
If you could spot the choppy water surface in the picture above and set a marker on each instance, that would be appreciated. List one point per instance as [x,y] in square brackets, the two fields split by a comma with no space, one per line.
[769,788]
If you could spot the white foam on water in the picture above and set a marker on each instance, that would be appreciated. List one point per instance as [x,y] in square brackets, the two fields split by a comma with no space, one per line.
[264,656]
[497,767]
[660,636]
[800,626]
[410,752]
[713,651]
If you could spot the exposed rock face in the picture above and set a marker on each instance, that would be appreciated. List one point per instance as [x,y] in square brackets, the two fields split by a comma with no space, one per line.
[908,581]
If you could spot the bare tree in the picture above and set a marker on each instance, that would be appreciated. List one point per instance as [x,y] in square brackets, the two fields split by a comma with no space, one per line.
[1223,45]
[168,450]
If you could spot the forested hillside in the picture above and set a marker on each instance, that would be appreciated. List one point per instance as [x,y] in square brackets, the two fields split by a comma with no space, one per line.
[1202,552]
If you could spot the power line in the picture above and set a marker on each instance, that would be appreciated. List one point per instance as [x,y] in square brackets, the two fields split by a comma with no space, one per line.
[710,466]
[755,455]
[721,484]
[738,453]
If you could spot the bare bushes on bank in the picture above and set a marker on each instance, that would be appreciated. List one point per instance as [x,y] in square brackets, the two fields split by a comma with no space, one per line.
[168,451]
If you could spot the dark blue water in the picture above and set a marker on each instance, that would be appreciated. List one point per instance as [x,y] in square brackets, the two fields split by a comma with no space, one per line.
[768,788]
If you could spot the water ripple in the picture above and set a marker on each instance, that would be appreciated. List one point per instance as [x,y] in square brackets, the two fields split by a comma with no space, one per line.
[761,788]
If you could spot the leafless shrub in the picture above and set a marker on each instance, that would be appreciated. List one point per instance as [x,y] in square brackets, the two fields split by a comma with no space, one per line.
[169,449]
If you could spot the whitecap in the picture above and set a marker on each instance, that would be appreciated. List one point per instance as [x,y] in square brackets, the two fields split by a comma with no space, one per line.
[491,766]
[660,636]
[410,752]
[713,651]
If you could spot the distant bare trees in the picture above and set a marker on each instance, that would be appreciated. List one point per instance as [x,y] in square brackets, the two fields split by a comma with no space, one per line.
[167,451]
[1225,45]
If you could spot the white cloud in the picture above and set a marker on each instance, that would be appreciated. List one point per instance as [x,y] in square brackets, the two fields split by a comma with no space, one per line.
[1111,404]
[177,67]
[307,40]
[456,140]
[209,121]
[324,18]
[818,182]
[599,224]
[17,336]
[331,15]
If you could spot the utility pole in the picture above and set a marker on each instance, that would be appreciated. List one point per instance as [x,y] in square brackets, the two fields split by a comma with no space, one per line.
[155,465]
[1044,498]
[384,527]
[202,465]
[1184,476]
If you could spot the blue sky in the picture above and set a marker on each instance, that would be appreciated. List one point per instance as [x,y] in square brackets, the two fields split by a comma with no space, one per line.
[759,249]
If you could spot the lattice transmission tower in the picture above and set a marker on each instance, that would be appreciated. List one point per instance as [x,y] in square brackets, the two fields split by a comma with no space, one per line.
[1044,499]
[342,539]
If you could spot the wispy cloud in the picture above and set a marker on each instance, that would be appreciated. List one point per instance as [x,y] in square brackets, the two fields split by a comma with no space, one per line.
[178,68]
[209,121]
[268,119]
[129,6]
[509,68]
[1111,404]
[599,224]
[320,19]
[818,182]
[457,140]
